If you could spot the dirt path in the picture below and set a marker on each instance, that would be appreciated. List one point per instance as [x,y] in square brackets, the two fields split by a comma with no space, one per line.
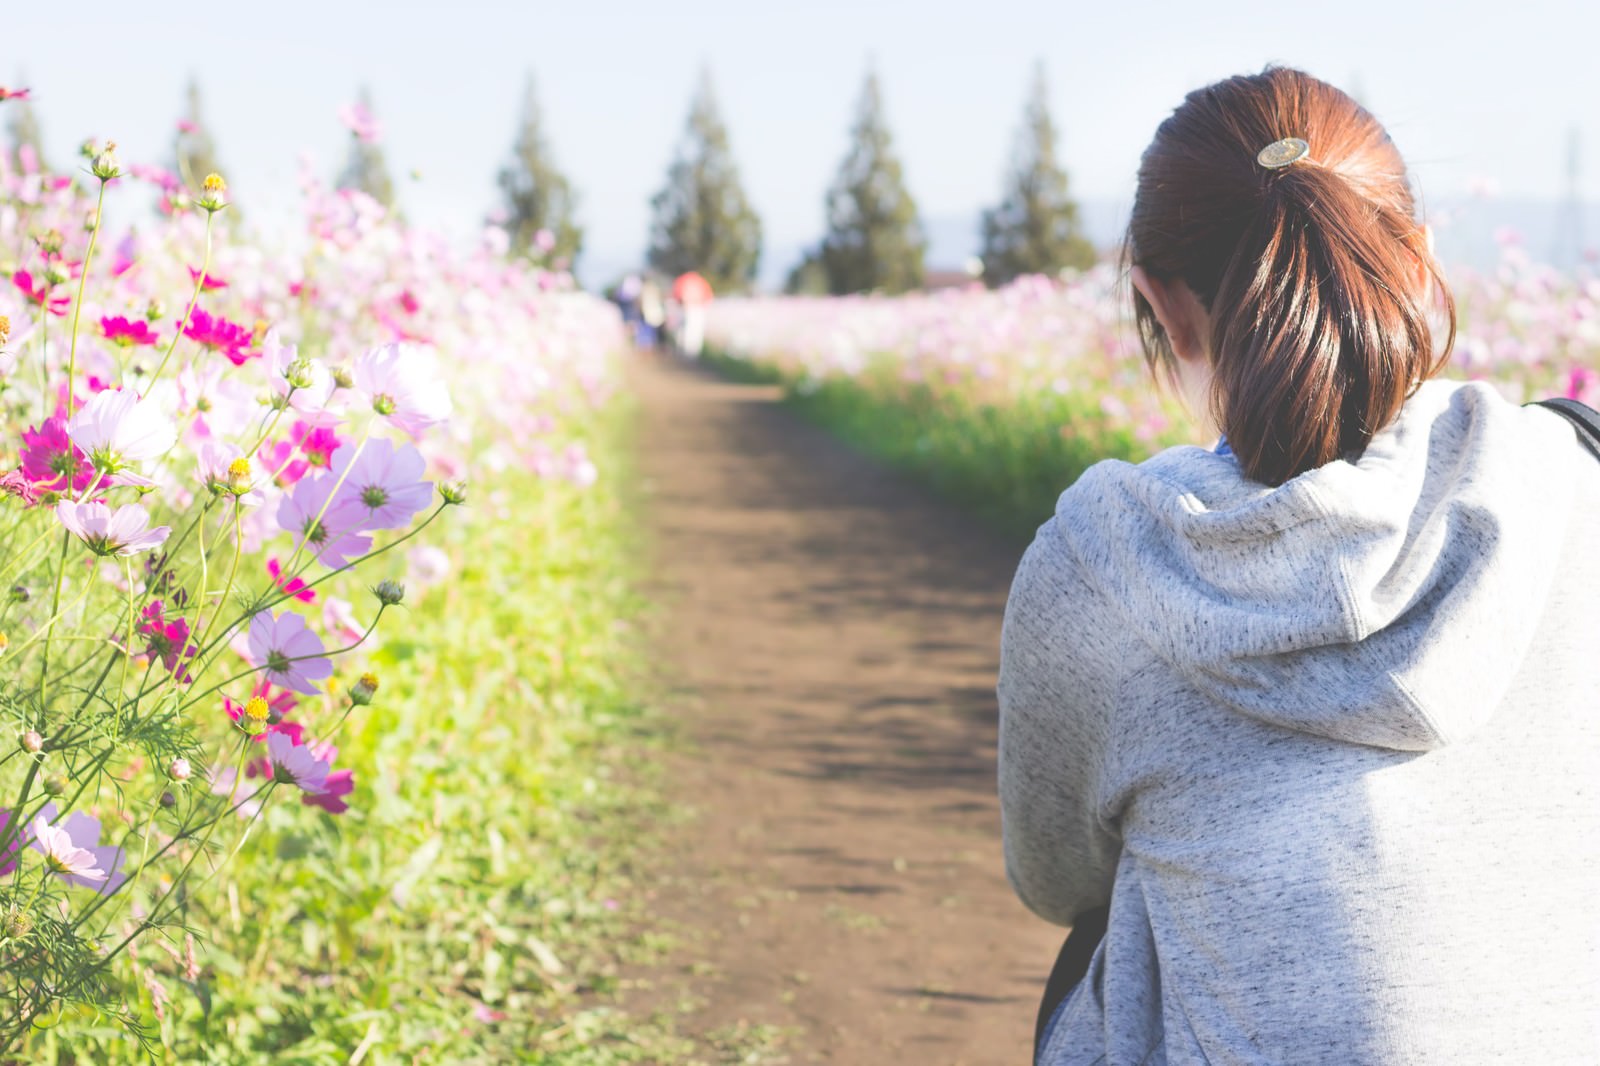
[832,633]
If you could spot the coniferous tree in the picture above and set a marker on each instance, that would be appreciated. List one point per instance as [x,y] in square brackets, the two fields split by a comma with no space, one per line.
[702,219]
[196,154]
[1036,228]
[537,195]
[365,167]
[875,239]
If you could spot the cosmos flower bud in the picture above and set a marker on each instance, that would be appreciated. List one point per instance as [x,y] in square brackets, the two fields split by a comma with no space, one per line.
[179,769]
[50,242]
[103,165]
[168,800]
[389,593]
[453,492]
[32,742]
[342,377]
[55,784]
[154,311]
[17,924]
[364,689]
[299,374]
[20,594]
[211,193]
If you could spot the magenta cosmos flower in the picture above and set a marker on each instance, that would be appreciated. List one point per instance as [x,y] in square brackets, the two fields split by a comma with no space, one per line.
[335,786]
[400,383]
[124,531]
[72,849]
[290,653]
[216,334]
[50,460]
[382,487]
[332,537]
[40,294]
[125,333]
[117,429]
[294,764]
[168,640]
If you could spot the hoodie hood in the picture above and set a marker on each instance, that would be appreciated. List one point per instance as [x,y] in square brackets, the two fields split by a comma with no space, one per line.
[1388,601]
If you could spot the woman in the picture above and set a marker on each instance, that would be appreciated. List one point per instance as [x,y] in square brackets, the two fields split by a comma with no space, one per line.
[1315,714]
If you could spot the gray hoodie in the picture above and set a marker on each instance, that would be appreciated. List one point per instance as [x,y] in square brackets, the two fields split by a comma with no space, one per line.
[1331,750]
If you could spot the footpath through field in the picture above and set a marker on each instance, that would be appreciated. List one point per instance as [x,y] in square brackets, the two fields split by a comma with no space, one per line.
[830,634]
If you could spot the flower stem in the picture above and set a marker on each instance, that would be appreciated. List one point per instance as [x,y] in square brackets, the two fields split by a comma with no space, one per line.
[77,308]
[200,282]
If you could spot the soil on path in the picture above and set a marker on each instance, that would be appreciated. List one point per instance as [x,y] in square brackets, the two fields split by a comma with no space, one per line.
[830,634]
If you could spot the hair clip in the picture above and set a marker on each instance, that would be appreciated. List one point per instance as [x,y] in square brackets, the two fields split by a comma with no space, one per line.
[1280,154]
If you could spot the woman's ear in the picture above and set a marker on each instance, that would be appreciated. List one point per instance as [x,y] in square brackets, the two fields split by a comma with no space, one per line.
[1178,310]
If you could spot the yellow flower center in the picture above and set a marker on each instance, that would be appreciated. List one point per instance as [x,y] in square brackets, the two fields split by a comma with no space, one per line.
[256,709]
[214,184]
[239,469]
[370,681]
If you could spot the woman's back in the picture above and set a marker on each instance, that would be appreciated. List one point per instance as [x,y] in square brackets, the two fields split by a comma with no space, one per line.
[1333,742]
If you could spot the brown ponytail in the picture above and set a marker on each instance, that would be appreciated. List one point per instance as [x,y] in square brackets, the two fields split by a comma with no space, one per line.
[1312,273]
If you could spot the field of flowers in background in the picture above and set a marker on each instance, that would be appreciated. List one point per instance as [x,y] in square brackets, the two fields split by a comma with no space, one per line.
[314,636]
[1003,397]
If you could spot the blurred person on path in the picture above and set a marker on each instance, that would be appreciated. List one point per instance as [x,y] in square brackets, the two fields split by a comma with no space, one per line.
[692,293]
[652,313]
[1300,733]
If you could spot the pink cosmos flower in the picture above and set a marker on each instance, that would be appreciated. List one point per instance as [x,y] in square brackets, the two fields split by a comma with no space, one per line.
[304,384]
[216,334]
[333,537]
[50,459]
[292,587]
[72,849]
[283,462]
[15,94]
[211,282]
[316,443]
[125,334]
[169,641]
[290,653]
[187,126]
[294,764]
[337,785]
[57,305]
[360,120]
[116,429]
[381,489]
[401,384]
[121,532]
[16,484]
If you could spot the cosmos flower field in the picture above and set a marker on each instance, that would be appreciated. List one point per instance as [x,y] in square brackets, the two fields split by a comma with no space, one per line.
[284,770]
[1002,397]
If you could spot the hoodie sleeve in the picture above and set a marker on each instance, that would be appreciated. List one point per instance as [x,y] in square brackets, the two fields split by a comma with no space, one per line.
[1058,667]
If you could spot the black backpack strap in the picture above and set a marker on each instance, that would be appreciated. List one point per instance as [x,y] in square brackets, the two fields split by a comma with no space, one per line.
[1585,418]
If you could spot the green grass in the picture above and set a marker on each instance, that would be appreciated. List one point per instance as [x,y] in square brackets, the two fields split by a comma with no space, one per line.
[479,902]
[1007,461]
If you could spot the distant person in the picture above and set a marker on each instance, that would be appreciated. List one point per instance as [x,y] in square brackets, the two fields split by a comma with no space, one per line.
[627,297]
[652,313]
[693,296]
[1308,723]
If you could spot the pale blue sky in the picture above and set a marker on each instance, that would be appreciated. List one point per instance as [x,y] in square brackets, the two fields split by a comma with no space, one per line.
[1488,91]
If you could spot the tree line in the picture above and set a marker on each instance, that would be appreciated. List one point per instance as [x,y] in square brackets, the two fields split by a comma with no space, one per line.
[702,219]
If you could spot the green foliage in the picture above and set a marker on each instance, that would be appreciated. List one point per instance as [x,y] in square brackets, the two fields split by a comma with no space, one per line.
[1035,229]
[476,904]
[875,240]
[808,277]
[537,195]
[194,152]
[365,168]
[1006,457]
[702,219]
